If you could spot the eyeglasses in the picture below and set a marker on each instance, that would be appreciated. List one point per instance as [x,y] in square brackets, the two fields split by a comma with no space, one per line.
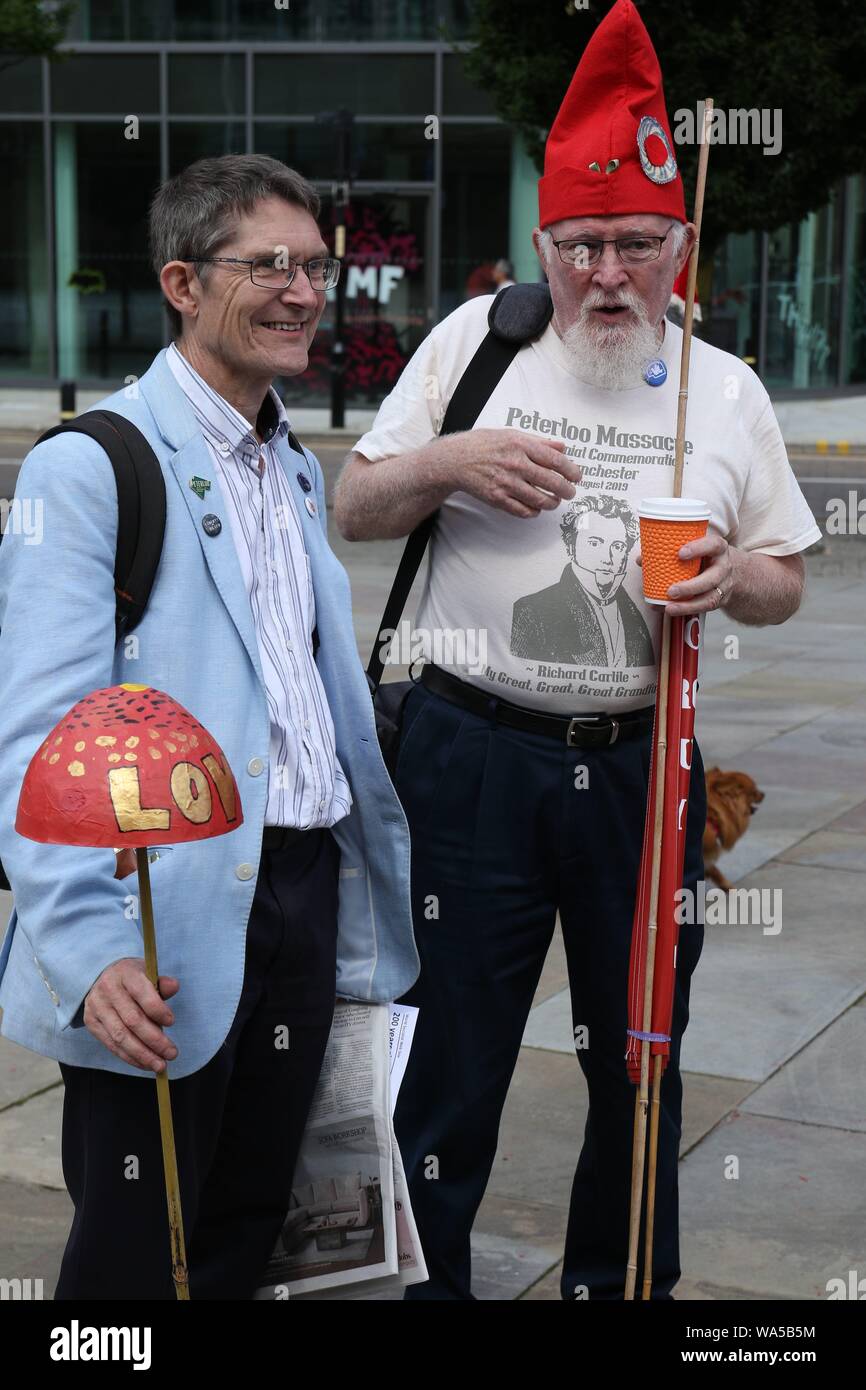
[633,250]
[277,272]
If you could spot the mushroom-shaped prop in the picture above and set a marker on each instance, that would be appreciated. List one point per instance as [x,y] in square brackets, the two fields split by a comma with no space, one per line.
[129,766]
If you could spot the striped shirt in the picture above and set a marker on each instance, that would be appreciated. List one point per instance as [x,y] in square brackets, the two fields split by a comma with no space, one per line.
[306,785]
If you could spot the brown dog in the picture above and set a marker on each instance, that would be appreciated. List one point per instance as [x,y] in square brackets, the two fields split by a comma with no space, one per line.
[731,799]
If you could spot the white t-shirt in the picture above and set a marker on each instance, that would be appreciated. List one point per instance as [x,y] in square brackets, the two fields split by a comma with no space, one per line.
[547,612]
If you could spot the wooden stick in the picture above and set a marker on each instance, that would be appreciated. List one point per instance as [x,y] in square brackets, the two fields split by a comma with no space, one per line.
[179,1272]
[642,1099]
[688,316]
[651,1177]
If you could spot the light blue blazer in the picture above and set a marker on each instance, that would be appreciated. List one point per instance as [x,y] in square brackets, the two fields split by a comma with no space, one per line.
[197,642]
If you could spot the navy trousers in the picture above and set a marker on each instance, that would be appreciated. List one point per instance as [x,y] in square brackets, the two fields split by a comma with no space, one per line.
[237,1122]
[503,838]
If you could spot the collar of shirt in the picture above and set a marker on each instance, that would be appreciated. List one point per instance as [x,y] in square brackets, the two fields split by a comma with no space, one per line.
[230,433]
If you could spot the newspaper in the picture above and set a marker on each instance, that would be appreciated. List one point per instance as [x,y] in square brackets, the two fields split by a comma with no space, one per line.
[350,1230]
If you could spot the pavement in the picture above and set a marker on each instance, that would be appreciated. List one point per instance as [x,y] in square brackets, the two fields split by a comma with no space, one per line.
[772,1200]
[828,420]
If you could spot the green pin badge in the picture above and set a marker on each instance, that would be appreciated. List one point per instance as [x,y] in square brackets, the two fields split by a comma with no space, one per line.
[200,486]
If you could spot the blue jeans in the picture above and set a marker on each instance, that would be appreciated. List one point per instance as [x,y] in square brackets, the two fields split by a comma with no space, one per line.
[502,840]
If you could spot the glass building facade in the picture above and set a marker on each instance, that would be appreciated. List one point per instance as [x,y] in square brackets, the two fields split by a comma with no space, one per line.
[440,190]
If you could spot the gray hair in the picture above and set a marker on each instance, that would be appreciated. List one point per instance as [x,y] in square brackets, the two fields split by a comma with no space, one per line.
[677,235]
[193,214]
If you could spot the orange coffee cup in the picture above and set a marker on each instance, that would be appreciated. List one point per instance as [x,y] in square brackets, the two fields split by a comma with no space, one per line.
[666,524]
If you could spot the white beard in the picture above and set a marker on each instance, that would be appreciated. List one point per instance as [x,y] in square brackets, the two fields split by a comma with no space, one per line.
[611,356]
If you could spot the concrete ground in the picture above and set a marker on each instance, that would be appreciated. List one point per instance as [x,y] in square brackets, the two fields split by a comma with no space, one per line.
[829,419]
[773,1054]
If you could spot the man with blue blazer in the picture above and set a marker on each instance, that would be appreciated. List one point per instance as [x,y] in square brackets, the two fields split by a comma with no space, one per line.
[249,626]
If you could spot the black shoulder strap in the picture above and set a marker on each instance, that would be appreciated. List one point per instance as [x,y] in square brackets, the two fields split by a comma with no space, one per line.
[518,314]
[141,508]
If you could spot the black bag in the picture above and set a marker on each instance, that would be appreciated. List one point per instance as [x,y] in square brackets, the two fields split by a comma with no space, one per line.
[518,315]
[140,513]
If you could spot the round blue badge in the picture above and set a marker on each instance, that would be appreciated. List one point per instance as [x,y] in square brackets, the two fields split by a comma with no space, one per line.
[656,373]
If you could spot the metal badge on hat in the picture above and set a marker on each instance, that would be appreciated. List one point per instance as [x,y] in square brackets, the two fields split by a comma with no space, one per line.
[659,173]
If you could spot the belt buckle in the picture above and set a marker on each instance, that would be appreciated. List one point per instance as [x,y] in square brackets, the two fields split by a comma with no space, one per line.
[581,723]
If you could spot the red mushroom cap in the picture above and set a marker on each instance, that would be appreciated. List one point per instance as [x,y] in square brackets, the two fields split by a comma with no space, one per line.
[128,766]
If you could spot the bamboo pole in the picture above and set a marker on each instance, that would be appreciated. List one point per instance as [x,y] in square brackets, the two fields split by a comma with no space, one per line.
[642,1097]
[179,1272]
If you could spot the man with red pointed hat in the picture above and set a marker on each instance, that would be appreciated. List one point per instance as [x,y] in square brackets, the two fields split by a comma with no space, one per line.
[524,773]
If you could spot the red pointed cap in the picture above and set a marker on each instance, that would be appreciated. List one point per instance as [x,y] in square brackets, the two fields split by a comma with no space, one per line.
[610,151]
[128,766]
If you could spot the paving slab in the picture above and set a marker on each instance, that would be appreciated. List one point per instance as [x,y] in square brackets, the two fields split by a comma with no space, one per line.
[23,1073]
[840,849]
[825,1084]
[853,819]
[554,975]
[503,1269]
[30,1140]
[728,727]
[545,1289]
[542,1129]
[795,1217]
[756,999]
[542,1224]
[34,1222]
[785,817]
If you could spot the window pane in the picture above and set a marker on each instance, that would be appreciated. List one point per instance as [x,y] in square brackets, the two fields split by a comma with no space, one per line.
[24,307]
[386,153]
[106,82]
[189,141]
[730,320]
[109,315]
[476,173]
[21,85]
[460,97]
[387,294]
[855,348]
[803,300]
[206,84]
[252,19]
[382,84]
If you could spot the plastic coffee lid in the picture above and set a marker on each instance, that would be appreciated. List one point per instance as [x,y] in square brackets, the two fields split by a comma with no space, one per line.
[674,509]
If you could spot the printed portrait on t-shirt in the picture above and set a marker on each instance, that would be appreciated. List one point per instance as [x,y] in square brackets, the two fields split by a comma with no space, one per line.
[587,616]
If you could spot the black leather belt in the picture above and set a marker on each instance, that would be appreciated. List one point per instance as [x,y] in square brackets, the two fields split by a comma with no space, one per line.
[281,836]
[582,731]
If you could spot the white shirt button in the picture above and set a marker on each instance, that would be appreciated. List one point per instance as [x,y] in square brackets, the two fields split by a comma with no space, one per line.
[306,723]
[255,766]
[310,505]
[223,447]
[321,805]
[244,871]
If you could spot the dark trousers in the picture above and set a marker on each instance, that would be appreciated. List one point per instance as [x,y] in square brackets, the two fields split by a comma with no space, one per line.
[502,839]
[238,1121]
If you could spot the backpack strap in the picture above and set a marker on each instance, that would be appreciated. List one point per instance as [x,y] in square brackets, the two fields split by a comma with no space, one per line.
[518,315]
[141,508]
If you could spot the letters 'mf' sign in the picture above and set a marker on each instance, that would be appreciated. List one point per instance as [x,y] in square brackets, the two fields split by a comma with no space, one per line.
[128,765]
